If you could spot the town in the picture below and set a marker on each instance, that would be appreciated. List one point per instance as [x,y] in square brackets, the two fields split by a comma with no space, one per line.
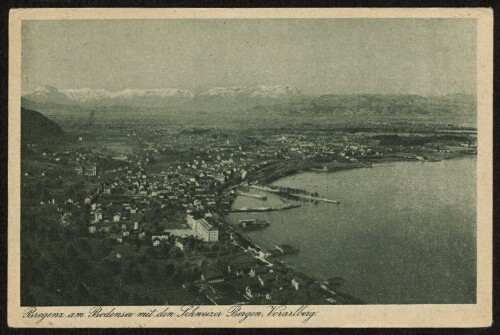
[147,206]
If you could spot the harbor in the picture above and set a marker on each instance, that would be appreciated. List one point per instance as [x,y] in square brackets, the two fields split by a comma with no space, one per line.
[327,236]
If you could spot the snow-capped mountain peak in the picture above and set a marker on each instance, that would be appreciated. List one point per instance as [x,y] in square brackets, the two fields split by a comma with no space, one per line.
[160,97]
[44,90]
[228,91]
[277,91]
[261,91]
[160,92]
[85,94]
[100,97]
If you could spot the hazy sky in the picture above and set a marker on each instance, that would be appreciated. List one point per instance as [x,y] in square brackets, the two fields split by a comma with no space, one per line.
[418,56]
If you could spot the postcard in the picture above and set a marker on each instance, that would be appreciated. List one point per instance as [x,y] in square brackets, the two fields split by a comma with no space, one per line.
[254,168]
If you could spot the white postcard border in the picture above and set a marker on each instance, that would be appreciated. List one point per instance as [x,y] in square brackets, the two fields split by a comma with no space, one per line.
[473,315]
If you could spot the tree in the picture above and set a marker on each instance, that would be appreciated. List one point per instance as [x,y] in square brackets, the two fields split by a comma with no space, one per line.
[168,270]
[152,252]
[114,267]
[176,252]
[166,247]
[132,273]
[204,265]
[101,248]
[152,271]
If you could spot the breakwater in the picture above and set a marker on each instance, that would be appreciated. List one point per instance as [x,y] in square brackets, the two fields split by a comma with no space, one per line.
[261,209]
[297,195]
[250,195]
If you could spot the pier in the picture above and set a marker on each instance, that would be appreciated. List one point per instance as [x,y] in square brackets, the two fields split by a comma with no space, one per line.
[262,209]
[250,195]
[303,196]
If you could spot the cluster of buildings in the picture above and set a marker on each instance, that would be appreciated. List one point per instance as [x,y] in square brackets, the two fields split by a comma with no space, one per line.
[245,280]
[195,181]
[174,195]
[252,276]
[88,169]
[191,190]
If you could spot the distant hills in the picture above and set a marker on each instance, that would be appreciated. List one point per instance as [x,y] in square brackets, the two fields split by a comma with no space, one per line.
[260,100]
[36,128]
[451,106]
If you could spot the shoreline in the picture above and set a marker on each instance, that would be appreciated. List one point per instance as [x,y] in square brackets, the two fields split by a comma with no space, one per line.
[292,169]
[275,177]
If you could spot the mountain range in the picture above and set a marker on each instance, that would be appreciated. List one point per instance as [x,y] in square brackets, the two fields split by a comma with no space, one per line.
[51,97]
[260,100]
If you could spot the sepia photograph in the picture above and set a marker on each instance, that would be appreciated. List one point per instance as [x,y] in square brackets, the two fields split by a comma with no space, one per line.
[283,162]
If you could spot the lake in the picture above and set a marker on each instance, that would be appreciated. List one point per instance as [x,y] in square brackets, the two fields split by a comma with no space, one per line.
[404,233]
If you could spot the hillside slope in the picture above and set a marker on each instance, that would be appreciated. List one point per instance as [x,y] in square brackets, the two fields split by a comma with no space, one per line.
[36,128]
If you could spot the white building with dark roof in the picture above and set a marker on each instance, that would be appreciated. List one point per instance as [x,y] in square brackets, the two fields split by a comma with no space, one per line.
[204,230]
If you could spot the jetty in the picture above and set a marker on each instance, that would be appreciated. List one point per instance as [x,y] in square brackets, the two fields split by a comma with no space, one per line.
[262,209]
[250,195]
[303,196]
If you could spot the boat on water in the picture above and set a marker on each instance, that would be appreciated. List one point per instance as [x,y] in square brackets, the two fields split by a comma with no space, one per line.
[289,206]
[286,249]
[254,224]
[334,282]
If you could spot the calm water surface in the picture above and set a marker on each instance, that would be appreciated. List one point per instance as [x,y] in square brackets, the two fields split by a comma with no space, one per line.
[403,233]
